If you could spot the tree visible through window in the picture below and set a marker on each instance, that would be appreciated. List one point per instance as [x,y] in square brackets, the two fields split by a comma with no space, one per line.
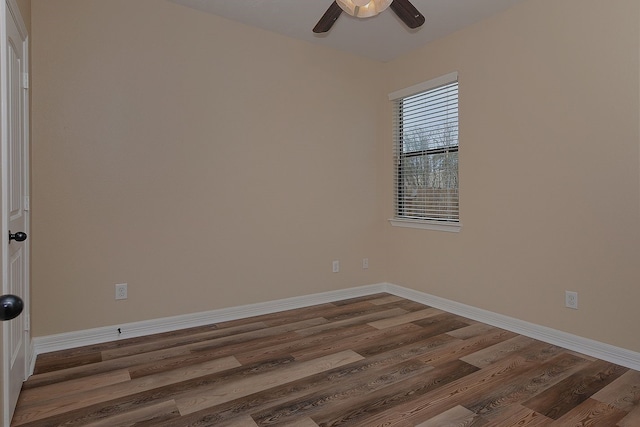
[426,153]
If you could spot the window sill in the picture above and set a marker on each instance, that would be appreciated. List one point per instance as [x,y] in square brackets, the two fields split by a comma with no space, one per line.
[452,227]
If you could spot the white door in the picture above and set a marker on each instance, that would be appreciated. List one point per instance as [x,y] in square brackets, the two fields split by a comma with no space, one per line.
[15,216]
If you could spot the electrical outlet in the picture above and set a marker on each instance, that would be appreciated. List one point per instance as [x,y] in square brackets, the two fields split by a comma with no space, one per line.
[571,299]
[336,266]
[121,291]
[365,263]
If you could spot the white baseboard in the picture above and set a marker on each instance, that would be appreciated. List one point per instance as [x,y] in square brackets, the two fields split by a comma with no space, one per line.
[576,343]
[599,350]
[67,340]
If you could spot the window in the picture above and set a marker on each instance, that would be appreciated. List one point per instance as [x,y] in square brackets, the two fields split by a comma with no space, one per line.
[425,129]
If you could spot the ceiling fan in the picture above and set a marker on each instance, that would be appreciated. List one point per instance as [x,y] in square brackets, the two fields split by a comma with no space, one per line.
[365,8]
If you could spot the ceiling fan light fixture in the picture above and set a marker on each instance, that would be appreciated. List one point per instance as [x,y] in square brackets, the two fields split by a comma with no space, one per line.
[363,8]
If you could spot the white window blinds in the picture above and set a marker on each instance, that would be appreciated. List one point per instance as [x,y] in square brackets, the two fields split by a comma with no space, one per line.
[425,125]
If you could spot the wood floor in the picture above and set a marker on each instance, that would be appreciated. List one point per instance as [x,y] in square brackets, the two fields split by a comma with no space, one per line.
[378,360]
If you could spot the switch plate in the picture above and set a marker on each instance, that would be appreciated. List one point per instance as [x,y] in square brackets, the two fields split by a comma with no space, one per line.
[336,266]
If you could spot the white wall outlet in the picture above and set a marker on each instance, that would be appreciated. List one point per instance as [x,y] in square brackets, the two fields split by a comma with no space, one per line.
[336,266]
[365,263]
[121,291]
[571,299]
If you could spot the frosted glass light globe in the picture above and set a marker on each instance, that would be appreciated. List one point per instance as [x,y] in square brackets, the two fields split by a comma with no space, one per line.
[363,8]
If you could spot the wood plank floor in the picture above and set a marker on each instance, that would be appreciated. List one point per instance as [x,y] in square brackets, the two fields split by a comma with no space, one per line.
[378,360]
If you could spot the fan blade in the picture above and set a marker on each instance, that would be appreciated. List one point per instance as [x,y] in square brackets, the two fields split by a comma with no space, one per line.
[408,13]
[330,16]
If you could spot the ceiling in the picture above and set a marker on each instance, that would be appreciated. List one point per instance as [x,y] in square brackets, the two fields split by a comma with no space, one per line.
[383,37]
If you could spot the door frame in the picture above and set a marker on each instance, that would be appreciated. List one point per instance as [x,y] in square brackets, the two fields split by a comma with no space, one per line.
[9,9]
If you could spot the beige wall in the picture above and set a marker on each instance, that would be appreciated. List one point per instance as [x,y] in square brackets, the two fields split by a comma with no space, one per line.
[205,163]
[549,168]
[210,165]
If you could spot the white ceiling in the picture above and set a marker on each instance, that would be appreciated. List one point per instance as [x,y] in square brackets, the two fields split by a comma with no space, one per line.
[383,37]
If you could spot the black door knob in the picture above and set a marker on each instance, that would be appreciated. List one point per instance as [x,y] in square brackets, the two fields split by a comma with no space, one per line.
[10,306]
[18,237]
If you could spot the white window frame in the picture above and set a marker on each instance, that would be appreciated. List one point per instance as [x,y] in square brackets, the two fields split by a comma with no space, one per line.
[428,224]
